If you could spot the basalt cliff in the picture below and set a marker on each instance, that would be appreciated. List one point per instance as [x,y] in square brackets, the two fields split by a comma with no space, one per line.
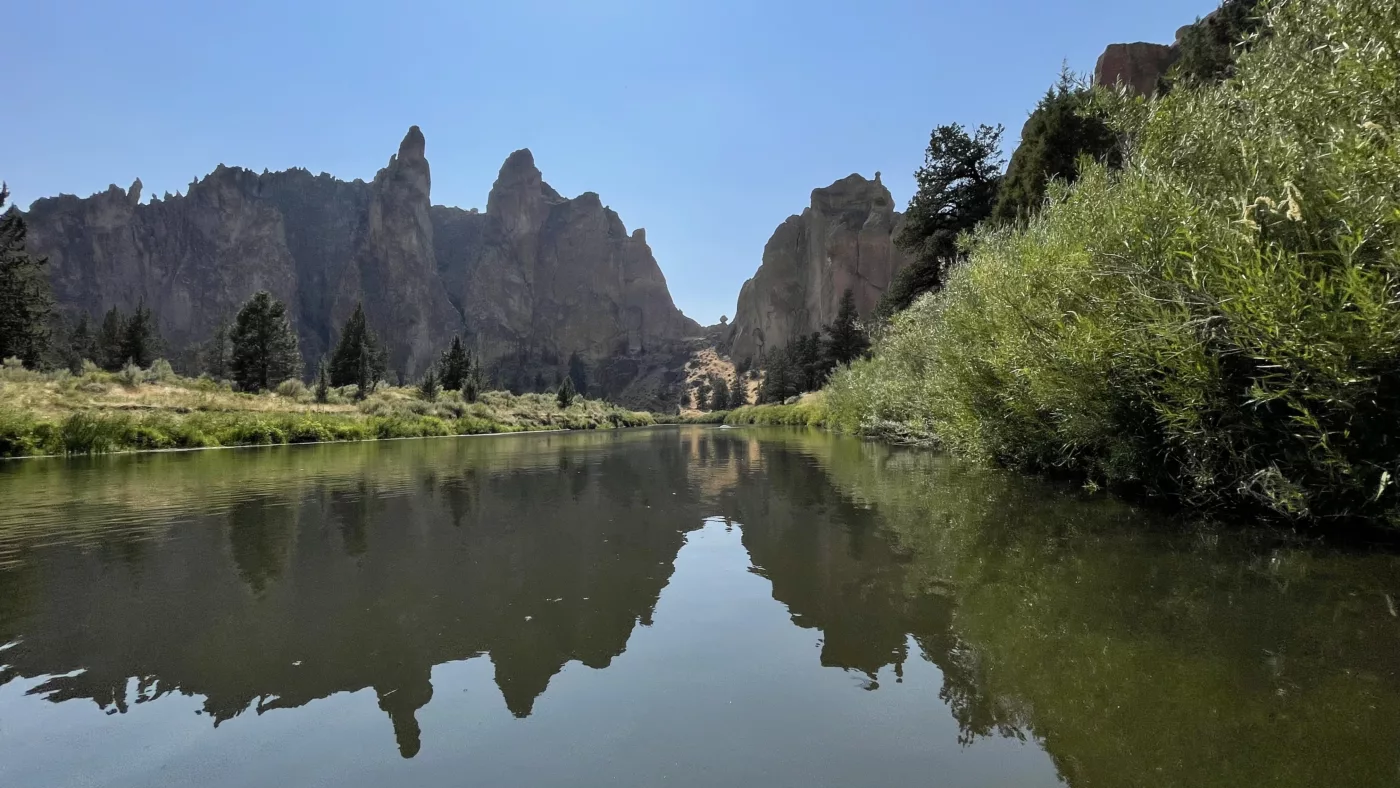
[532,280]
[844,239]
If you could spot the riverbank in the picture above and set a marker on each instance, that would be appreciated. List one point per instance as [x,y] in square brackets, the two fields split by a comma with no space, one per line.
[97,412]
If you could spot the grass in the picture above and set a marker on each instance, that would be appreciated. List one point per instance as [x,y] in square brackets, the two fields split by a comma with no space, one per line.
[1217,323]
[98,412]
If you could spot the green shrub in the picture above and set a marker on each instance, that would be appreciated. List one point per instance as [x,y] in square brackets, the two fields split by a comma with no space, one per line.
[91,433]
[161,372]
[1218,323]
[131,375]
[292,389]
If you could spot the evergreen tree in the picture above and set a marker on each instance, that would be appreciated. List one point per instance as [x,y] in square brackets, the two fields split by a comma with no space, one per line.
[358,353]
[26,299]
[364,370]
[578,373]
[453,365]
[1209,47]
[781,378]
[140,340]
[719,394]
[738,392]
[323,382]
[109,341]
[472,383]
[264,347]
[214,356]
[956,191]
[1059,132]
[82,344]
[809,360]
[567,392]
[428,387]
[685,397]
[846,341]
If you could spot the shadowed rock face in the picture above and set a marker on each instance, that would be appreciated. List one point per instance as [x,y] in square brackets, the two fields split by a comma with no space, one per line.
[845,239]
[535,278]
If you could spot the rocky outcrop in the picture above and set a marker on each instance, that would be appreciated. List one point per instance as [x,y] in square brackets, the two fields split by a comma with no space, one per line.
[533,280]
[845,239]
[1139,66]
[539,277]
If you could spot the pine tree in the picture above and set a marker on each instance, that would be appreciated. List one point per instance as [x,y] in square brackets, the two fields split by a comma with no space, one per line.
[214,356]
[809,362]
[109,341]
[781,378]
[567,392]
[140,341]
[358,352]
[1059,132]
[26,299]
[846,341]
[364,370]
[719,394]
[578,373]
[472,384]
[428,387]
[957,190]
[82,345]
[738,392]
[323,382]
[264,347]
[453,365]
[685,397]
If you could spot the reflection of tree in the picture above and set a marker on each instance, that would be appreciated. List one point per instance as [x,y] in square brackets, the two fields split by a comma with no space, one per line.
[260,536]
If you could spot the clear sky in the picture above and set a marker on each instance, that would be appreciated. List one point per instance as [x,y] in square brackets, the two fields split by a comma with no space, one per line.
[707,123]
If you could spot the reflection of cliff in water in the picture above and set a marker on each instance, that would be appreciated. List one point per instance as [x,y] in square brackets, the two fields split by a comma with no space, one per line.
[281,601]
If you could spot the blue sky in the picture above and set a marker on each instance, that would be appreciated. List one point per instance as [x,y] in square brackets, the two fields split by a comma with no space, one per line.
[707,123]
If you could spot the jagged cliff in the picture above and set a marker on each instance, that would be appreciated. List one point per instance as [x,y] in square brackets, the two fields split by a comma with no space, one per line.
[532,280]
[845,239]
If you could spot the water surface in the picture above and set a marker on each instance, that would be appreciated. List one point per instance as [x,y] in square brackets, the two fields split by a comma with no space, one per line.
[677,606]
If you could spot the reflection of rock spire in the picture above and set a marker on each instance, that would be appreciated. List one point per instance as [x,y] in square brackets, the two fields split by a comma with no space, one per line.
[402,704]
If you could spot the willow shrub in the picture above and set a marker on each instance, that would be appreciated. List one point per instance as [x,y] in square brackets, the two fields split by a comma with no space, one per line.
[1219,321]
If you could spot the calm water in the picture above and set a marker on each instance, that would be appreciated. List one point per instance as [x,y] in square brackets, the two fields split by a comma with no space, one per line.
[677,606]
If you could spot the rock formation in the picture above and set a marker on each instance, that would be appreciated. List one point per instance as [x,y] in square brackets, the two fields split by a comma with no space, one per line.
[531,281]
[1139,66]
[845,239]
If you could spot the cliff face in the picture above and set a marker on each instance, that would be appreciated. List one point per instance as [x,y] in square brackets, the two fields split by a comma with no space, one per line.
[532,280]
[845,239]
[515,273]
[1139,66]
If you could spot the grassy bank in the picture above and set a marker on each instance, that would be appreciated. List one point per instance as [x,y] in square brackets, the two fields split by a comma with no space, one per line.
[1218,322]
[99,412]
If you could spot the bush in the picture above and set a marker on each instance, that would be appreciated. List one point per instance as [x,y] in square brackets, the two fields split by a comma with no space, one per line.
[293,389]
[131,375]
[1218,323]
[161,372]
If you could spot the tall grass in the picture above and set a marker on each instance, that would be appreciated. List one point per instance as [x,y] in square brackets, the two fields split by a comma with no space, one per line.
[1219,322]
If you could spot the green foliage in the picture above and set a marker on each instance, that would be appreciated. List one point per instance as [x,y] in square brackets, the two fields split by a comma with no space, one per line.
[738,392]
[109,341]
[578,373]
[428,387]
[567,392]
[1218,323]
[1063,128]
[802,414]
[160,372]
[323,383]
[215,354]
[454,365]
[82,345]
[26,299]
[264,347]
[846,340]
[359,359]
[131,375]
[782,378]
[719,393]
[1210,47]
[956,190]
[140,339]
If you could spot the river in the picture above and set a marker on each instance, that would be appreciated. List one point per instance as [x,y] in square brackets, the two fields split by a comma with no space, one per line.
[681,606]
